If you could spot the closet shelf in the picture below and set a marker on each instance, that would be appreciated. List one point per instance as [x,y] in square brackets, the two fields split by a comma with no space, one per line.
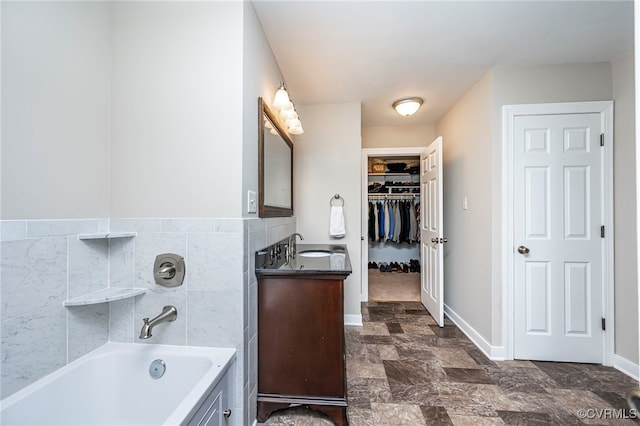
[393,174]
[106,235]
[105,295]
[394,194]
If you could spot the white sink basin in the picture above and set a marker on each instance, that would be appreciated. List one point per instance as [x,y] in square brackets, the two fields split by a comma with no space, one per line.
[314,253]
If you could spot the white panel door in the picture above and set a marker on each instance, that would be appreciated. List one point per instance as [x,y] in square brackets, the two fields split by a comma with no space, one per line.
[431,238]
[558,282]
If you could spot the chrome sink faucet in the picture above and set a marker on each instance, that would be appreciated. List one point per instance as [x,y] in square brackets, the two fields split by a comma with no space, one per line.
[169,313]
[292,245]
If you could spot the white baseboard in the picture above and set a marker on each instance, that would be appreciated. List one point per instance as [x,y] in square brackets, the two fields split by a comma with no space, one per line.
[494,353]
[353,320]
[627,367]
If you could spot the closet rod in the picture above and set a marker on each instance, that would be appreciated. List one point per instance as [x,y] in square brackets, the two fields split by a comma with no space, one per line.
[394,196]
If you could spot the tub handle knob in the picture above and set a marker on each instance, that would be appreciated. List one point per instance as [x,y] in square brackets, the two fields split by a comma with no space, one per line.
[226,413]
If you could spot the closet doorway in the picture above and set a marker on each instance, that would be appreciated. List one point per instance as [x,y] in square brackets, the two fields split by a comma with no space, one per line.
[391,261]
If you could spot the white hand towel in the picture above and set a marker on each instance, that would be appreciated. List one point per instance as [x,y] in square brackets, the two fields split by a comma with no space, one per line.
[336,222]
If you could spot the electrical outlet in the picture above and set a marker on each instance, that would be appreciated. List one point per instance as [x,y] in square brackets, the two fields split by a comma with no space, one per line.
[252,202]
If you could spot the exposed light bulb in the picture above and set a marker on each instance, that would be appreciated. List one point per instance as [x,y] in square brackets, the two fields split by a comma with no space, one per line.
[296,130]
[281,97]
[288,115]
[286,111]
[287,107]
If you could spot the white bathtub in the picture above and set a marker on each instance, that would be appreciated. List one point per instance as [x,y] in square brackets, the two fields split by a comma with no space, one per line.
[112,386]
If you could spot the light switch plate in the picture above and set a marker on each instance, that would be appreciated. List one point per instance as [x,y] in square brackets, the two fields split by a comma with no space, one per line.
[465,204]
[252,202]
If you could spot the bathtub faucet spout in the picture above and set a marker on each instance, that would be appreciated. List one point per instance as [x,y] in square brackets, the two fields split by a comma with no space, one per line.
[169,313]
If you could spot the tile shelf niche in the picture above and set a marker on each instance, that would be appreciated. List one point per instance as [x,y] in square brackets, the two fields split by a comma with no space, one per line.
[109,294]
[106,235]
[105,295]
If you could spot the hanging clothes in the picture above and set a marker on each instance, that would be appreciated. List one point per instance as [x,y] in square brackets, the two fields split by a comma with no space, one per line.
[413,228]
[387,221]
[397,221]
[396,212]
[382,220]
[377,225]
[392,222]
[372,222]
[418,222]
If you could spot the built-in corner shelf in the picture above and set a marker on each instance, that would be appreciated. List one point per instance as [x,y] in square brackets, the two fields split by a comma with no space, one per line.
[105,295]
[106,235]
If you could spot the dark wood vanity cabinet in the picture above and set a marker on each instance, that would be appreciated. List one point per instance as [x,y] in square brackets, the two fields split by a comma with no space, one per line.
[301,344]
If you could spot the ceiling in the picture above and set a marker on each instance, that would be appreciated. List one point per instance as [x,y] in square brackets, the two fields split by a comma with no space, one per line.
[376,52]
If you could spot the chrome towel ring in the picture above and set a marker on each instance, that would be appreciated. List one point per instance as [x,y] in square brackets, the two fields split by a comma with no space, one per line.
[336,197]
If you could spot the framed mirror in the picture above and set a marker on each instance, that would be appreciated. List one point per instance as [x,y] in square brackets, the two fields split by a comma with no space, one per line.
[275,166]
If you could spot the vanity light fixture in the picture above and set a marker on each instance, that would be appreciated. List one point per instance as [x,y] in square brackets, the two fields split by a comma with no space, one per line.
[407,106]
[287,114]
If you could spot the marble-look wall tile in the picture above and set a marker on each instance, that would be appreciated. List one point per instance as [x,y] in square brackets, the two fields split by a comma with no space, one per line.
[33,346]
[214,261]
[253,309]
[34,275]
[88,266]
[253,363]
[253,406]
[214,318]
[13,230]
[279,232]
[245,362]
[257,241]
[122,323]
[121,262]
[254,224]
[135,225]
[246,302]
[150,304]
[53,228]
[233,226]
[87,329]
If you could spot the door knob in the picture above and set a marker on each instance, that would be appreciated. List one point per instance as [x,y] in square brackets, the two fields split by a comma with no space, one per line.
[434,240]
[443,240]
[523,250]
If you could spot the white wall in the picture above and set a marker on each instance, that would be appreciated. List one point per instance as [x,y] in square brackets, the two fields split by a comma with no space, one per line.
[261,77]
[625,205]
[472,167]
[397,136]
[467,163]
[176,116]
[174,87]
[528,85]
[327,161]
[55,104]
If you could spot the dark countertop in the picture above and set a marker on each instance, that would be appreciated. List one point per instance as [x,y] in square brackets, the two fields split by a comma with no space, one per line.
[336,263]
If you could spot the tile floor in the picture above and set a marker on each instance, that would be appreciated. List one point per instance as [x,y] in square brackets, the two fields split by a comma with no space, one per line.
[402,369]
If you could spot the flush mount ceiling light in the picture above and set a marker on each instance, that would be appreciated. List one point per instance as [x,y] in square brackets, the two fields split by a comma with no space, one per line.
[407,106]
